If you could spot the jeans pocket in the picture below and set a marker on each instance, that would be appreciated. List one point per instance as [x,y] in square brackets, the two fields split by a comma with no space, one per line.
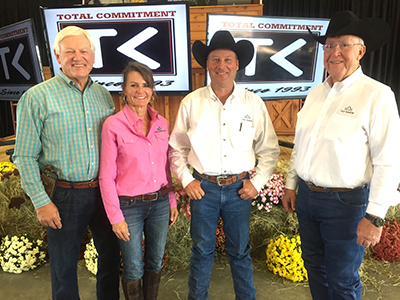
[60,194]
[126,203]
[356,198]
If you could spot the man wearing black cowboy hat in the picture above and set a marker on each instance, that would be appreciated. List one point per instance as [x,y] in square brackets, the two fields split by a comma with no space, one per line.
[219,131]
[345,161]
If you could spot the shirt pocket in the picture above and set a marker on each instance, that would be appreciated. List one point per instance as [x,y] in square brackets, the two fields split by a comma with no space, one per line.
[243,140]
[162,140]
[340,128]
[129,140]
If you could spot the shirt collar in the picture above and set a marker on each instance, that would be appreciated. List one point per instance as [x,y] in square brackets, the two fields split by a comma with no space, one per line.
[344,84]
[133,118]
[231,96]
[72,83]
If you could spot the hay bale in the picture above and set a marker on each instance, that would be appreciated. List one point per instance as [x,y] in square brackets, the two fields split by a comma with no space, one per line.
[17,221]
[179,245]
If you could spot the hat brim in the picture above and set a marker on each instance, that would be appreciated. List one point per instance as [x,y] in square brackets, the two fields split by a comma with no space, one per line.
[243,49]
[374,31]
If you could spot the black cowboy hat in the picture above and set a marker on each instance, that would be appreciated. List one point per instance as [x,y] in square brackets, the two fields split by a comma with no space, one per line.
[223,40]
[374,31]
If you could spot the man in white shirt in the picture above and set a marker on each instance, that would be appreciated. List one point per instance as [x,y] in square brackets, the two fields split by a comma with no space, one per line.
[345,161]
[219,131]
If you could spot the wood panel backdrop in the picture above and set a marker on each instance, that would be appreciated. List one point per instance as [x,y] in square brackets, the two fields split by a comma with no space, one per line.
[283,113]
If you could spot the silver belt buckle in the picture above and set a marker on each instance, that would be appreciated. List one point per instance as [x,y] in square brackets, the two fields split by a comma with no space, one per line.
[219,178]
[154,193]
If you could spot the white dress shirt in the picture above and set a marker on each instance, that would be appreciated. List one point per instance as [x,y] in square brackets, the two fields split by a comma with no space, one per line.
[217,139]
[347,135]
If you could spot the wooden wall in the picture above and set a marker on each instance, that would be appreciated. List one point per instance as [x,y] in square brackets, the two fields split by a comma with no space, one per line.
[283,113]
[168,106]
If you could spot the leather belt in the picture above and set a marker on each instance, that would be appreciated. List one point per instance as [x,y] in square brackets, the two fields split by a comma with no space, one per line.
[315,188]
[150,196]
[223,179]
[78,185]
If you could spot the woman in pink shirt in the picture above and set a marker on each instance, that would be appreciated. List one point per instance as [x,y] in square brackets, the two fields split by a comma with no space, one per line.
[135,183]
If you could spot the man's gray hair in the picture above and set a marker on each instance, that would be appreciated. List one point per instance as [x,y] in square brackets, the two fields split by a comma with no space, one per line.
[70,31]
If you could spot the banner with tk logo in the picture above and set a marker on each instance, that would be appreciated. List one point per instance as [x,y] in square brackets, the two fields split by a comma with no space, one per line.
[287,61]
[20,66]
[156,35]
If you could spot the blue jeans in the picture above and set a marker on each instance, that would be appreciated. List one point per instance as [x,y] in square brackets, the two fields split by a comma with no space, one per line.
[328,230]
[221,201]
[78,209]
[152,219]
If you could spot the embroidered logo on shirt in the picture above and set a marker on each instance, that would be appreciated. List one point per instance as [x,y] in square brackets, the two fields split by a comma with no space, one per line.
[247,118]
[160,129]
[348,110]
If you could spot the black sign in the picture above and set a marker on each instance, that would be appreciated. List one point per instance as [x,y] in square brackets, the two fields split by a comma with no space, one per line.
[156,35]
[16,61]
[287,62]
[114,59]
[20,66]
[298,65]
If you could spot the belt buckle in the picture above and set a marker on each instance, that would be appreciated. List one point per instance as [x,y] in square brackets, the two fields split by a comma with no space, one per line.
[154,193]
[90,183]
[219,178]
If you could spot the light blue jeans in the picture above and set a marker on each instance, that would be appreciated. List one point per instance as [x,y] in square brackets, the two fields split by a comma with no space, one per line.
[221,201]
[328,230]
[150,218]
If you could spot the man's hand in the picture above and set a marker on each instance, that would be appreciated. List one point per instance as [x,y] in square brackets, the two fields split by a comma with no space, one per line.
[173,215]
[48,216]
[121,230]
[367,233]
[289,200]
[248,191]
[194,190]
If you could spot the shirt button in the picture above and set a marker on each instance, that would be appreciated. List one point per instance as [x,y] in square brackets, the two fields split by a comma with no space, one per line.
[152,162]
[155,180]
[149,144]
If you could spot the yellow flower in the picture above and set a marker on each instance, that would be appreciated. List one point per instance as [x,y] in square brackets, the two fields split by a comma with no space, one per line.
[7,167]
[284,258]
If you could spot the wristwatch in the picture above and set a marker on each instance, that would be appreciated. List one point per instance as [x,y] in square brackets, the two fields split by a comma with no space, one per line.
[378,222]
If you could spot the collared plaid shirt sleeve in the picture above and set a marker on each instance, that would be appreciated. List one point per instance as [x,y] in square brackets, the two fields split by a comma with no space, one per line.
[59,125]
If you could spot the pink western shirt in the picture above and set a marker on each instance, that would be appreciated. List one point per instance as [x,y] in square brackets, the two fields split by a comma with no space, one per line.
[130,163]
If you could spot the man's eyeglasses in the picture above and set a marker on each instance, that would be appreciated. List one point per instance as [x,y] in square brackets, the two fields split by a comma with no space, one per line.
[328,47]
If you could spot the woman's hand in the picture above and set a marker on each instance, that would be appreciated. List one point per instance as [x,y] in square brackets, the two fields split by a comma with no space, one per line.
[173,215]
[121,230]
